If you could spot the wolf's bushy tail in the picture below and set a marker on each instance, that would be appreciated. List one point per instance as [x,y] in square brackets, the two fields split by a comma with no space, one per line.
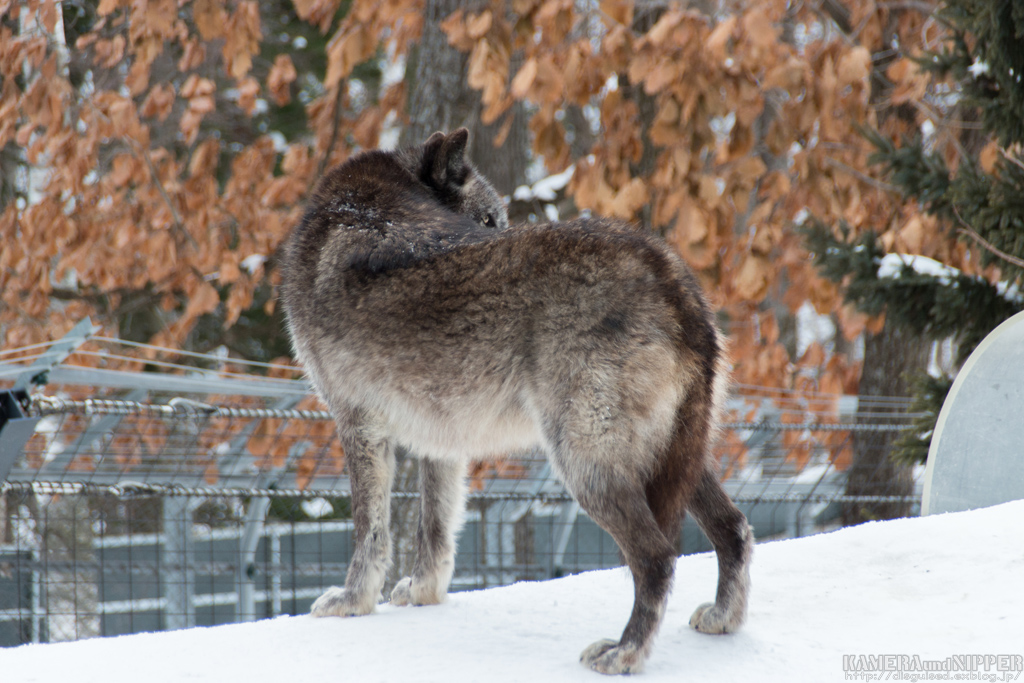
[689,481]
[681,469]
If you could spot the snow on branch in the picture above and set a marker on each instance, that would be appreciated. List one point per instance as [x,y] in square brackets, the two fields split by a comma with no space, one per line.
[891,267]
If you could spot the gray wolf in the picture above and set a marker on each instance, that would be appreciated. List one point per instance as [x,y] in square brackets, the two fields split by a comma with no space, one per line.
[423,320]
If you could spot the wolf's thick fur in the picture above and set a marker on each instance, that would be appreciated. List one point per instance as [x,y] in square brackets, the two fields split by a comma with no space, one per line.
[423,320]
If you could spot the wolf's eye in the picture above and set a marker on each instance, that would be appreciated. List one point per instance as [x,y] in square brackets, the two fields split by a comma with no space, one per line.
[489,221]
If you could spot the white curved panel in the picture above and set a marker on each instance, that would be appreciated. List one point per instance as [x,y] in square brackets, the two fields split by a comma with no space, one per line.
[976,457]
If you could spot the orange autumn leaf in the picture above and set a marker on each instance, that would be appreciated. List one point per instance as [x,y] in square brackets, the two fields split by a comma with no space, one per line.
[282,75]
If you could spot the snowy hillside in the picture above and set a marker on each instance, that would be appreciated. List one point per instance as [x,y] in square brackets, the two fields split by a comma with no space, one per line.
[934,587]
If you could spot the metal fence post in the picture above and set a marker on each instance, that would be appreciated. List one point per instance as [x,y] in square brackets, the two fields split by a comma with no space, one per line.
[254,520]
[55,354]
[178,580]
[567,514]
[255,517]
[15,429]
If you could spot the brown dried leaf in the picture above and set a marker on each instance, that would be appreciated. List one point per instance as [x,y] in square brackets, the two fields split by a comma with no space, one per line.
[281,76]
[663,28]
[620,11]
[717,42]
[109,52]
[488,72]
[909,82]
[243,33]
[758,29]
[248,89]
[210,17]
[317,12]
[203,299]
[204,159]
[158,102]
[348,48]
[123,169]
[691,225]
[763,241]
[48,15]
[665,72]
[989,156]
[629,199]
[455,28]
[854,66]
[106,7]
[788,75]
[752,278]
[202,104]
[478,25]
[524,79]
[194,85]
[911,237]
[193,55]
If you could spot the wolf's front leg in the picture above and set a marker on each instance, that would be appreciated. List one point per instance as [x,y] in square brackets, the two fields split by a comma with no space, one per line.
[371,466]
[442,500]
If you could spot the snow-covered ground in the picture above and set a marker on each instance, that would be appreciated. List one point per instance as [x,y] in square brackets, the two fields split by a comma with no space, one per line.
[934,587]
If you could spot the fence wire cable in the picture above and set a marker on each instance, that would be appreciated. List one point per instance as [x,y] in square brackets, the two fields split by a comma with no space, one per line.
[177,409]
[186,409]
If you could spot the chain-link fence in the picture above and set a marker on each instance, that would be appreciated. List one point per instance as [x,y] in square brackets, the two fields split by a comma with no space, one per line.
[138,501]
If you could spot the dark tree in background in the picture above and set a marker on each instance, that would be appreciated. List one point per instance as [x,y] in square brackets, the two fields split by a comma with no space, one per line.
[440,98]
[976,197]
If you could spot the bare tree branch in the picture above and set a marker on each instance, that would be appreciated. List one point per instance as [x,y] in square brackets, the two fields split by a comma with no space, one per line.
[881,185]
[922,7]
[179,227]
[837,12]
[325,159]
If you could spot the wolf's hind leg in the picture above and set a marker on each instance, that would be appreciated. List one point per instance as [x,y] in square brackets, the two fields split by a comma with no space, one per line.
[442,500]
[733,540]
[620,507]
[371,466]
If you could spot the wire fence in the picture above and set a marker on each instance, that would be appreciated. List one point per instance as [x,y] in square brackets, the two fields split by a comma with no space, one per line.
[138,501]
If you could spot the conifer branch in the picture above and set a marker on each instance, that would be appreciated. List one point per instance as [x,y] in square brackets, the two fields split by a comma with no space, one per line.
[1011,158]
[985,244]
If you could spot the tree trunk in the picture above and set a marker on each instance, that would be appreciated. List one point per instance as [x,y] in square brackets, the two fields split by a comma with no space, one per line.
[644,18]
[890,358]
[10,164]
[440,99]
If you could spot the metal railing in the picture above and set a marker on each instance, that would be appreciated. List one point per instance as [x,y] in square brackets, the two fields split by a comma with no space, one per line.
[146,501]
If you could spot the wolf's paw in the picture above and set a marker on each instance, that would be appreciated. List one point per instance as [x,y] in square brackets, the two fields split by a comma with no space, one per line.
[405,593]
[607,657]
[710,618]
[402,594]
[338,602]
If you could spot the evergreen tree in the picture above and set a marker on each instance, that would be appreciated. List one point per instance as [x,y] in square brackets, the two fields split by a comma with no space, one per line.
[980,202]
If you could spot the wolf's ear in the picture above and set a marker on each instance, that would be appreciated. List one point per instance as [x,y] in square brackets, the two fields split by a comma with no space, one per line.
[430,152]
[434,141]
[444,158]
